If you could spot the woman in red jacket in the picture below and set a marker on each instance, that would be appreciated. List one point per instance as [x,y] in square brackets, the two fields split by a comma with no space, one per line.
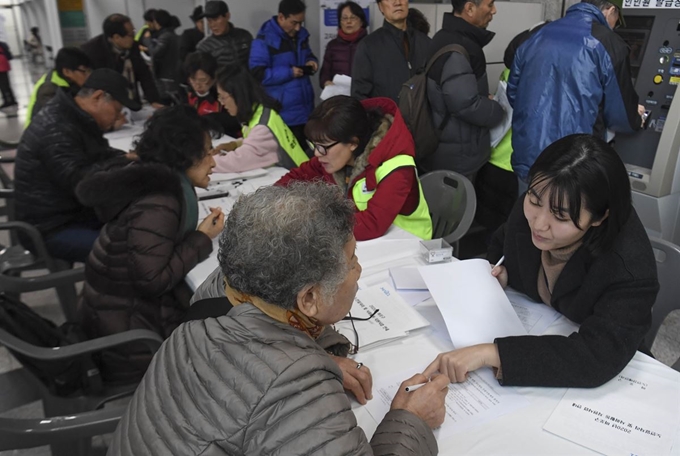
[366,148]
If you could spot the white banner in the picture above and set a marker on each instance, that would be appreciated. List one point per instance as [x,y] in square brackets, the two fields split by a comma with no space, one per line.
[652,4]
[329,21]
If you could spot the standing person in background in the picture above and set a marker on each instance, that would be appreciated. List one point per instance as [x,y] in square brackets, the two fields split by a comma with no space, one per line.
[228,44]
[191,36]
[147,27]
[283,61]
[9,103]
[164,51]
[389,56]
[134,276]
[202,96]
[35,46]
[340,51]
[267,140]
[72,67]
[458,90]
[572,76]
[116,49]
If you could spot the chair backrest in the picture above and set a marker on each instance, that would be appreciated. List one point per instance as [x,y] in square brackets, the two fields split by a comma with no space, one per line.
[452,202]
[667,267]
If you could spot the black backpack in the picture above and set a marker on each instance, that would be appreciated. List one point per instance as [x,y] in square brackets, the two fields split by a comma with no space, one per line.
[416,111]
[62,378]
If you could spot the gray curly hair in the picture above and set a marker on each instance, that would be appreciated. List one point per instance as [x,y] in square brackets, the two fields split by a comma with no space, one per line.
[278,240]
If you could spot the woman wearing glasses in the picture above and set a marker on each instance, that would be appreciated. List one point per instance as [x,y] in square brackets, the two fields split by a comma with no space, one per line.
[340,51]
[267,140]
[366,149]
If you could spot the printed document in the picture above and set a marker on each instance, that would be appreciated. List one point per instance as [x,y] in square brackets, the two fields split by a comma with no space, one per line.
[535,316]
[636,413]
[394,319]
[474,306]
[407,278]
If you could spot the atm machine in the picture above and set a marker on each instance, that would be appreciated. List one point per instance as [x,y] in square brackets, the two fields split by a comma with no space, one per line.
[651,155]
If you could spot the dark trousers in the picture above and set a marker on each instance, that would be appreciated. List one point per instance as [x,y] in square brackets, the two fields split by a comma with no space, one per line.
[74,242]
[6,89]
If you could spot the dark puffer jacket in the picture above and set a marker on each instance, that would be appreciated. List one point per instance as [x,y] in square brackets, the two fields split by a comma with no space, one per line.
[229,49]
[460,89]
[59,147]
[164,50]
[134,276]
[339,57]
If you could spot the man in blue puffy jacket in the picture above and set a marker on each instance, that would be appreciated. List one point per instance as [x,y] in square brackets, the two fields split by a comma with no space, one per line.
[281,58]
[572,76]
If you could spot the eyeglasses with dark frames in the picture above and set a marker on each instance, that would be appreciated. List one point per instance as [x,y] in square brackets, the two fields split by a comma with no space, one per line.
[354,347]
[323,150]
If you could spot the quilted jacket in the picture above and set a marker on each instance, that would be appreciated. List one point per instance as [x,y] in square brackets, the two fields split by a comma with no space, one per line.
[272,56]
[572,76]
[58,148]
[134,276]
[244,384]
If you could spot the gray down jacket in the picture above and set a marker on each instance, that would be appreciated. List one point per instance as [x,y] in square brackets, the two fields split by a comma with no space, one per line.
[244,384]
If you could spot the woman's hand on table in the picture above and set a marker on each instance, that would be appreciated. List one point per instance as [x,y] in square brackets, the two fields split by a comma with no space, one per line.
[457,364]
[427,402]
[357,380]
[213,224]
[501,274]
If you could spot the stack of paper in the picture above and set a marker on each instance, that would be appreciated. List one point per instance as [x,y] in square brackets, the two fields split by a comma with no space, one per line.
[395,318]
[342,85]
[472,302]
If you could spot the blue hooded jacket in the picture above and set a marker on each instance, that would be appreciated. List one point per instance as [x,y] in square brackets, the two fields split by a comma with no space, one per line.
[272,55]
[572,76]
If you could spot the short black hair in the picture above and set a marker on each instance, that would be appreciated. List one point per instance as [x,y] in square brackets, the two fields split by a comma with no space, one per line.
[343,118]
[582,171]
[163,18]
[356,9]
[458,5]
[418,21]
[70,58]
[200,61]
[149,15]
[247,92]
[175,137]
[115,25]
[289,7]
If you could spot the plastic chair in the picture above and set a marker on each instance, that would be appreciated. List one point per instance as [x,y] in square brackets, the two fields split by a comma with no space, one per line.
[667,267]
[452,202]
[69,422]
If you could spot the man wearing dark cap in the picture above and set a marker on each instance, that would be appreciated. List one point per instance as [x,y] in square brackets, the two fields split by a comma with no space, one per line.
[192,36]
[60,146]
[228,44]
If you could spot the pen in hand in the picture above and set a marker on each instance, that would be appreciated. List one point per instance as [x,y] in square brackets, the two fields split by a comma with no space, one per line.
[414,387]
[500,262]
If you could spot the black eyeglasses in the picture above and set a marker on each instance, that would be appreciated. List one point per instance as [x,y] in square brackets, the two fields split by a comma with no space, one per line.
[323,150]
[354,347]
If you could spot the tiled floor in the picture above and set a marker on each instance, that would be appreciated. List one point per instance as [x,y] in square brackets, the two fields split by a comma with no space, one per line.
[23,76]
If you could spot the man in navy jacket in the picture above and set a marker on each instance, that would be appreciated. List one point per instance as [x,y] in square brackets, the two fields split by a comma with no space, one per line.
[281,58]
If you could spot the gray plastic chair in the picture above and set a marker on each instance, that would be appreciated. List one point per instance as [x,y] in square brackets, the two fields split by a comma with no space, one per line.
[452,202]
[69,422]
[667,267]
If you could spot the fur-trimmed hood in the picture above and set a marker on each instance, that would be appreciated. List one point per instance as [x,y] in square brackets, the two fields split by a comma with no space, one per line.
[117,183]
[391,138]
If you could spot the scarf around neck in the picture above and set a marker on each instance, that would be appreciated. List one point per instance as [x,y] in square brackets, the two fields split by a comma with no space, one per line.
[291,317]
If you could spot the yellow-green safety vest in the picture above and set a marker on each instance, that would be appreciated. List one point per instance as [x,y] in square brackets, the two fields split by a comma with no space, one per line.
[501,154]
[290,153]
[54,79]
[140,32]
[419,222]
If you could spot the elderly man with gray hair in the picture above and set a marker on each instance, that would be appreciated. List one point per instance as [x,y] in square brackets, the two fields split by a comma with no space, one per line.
[260,380]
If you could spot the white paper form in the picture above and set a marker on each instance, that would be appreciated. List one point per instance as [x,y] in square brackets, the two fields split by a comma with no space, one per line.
[215,178]
[407,278]
[472,302]
[342,85]
[636,413]
[536,317]
[395,318]
[476,401]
